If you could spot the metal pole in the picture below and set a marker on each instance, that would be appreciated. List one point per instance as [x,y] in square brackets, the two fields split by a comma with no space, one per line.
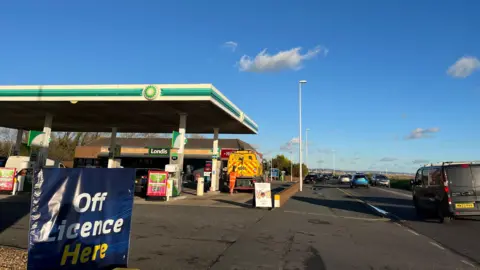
[306,146]
[333,162]
[271,170]
[300,131]
[291,166]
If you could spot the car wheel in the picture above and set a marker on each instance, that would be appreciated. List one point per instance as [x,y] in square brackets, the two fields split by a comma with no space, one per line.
[442,218]
[418,210]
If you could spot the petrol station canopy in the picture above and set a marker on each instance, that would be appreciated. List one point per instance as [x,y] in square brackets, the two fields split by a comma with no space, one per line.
[140,108]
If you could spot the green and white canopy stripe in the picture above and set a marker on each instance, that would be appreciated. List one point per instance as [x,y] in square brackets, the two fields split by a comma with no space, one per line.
[128,92]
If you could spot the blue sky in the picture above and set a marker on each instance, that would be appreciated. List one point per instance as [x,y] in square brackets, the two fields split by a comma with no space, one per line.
[378,71]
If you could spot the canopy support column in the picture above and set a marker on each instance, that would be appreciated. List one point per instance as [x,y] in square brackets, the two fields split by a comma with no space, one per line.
[111,150]
[215,172]
[181,149]
[47,131]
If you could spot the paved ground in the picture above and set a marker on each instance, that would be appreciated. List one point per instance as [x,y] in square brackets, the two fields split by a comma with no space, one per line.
[461,236]
[324,229]
[319,228]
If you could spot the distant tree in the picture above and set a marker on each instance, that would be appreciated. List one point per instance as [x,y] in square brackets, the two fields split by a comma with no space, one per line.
[296,171]
[196,136]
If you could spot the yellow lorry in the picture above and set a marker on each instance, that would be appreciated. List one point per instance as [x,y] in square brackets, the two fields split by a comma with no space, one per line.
[249,168]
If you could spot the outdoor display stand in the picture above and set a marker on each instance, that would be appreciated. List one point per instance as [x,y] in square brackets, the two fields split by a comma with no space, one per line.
[262,195]
[7,180]
[157,185]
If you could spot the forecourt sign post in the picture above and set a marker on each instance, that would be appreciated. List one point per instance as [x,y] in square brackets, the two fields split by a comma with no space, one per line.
[80,218]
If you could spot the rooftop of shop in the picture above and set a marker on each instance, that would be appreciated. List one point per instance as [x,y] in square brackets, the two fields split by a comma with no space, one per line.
[193,143]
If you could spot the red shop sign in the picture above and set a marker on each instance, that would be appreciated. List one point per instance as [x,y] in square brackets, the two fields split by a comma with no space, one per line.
[225,153]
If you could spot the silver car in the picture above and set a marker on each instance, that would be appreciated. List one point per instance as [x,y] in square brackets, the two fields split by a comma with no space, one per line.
[380,180]
[345,179]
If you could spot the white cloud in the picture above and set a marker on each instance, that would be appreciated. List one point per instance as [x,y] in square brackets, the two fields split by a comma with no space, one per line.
[420,161]
[290,59]
[419,133]
[464,67]
[231,44]
[388,159]
[295,140]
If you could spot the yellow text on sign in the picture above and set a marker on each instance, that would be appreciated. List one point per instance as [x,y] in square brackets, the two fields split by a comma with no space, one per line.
[84,254]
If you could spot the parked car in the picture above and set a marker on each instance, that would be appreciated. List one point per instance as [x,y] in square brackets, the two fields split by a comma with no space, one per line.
[345,179]
[359,180]
[448,190]
[311,179]
[327,176]
[380,180]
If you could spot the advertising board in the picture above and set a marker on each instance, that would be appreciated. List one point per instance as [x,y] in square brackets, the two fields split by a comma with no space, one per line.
[263,195]
[157,183]
[7,176]
[80,218]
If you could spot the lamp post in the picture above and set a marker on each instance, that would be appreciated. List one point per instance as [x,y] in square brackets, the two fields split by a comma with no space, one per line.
[300,130]
[306,146]
[333,151]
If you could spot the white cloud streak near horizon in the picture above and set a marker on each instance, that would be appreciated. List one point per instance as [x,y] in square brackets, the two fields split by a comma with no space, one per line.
[231,45]
[419,133]
[289,59]
[464,67]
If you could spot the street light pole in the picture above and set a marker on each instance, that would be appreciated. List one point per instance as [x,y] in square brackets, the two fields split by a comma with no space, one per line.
[333,162]
[300,130]
[306,146]
[271,170]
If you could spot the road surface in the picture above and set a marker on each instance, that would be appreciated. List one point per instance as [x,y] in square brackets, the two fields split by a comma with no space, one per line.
[320,228]
[461,236]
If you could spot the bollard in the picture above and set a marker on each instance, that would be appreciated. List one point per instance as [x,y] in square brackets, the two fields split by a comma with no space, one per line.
[200,186]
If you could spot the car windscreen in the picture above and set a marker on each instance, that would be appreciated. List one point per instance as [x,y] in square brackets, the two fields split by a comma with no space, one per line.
[360,176]
[463,175]
[381,177]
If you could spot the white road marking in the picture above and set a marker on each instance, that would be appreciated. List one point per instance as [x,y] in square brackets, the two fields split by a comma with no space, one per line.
[394,192]
[468,263]
[413,232]
[381,211]
[335,216]
[437,245]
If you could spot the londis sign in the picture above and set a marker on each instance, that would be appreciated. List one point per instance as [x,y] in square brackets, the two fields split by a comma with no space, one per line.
[80,218]
[165,152]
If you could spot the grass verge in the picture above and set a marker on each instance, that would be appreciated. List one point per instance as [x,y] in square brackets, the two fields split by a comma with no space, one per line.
[400,184]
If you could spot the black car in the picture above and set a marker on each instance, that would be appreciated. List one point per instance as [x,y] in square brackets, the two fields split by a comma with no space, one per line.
[447,190]
[311,179]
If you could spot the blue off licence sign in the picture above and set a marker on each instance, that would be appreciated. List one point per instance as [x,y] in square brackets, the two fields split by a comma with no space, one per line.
[80,218]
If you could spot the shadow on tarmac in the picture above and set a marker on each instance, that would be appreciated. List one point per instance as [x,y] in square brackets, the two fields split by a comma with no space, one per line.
[12,209]
[346,205]
[248,204]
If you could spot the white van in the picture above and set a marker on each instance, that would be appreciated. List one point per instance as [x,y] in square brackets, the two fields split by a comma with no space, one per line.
[23,162]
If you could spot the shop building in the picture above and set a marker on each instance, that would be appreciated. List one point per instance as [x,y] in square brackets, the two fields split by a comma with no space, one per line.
[154,152]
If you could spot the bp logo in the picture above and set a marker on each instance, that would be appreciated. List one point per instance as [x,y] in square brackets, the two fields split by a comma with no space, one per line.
[242,116]
[150,92]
